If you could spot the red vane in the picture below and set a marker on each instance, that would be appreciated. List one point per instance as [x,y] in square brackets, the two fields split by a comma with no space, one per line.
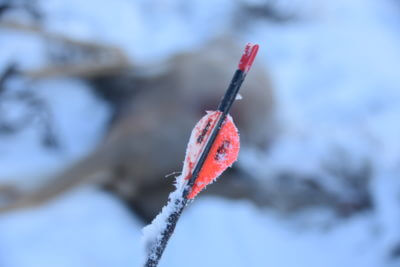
[222,155]
[248,57]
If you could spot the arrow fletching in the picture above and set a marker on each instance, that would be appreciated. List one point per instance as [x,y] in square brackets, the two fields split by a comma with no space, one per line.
[223,152]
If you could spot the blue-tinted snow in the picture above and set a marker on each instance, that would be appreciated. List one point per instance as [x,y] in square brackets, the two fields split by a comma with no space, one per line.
[336,74]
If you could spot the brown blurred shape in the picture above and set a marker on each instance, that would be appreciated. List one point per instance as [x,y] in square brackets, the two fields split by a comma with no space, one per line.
[151,126]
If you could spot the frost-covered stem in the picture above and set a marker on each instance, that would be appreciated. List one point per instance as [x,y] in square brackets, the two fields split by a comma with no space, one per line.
[157,250]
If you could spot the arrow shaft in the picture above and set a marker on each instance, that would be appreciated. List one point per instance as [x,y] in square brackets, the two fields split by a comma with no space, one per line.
[156,252]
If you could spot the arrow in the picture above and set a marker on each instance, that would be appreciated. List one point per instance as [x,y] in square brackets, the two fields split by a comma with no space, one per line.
[213,147]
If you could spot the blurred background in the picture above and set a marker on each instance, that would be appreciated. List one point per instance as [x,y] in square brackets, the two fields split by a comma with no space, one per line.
[98,98]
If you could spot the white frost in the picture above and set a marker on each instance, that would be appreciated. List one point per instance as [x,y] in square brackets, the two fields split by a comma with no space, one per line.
[152,233]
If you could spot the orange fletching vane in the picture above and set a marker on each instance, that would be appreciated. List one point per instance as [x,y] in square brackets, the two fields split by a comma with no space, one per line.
[222,155]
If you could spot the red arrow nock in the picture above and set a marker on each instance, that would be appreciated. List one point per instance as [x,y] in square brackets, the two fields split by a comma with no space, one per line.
[248,57]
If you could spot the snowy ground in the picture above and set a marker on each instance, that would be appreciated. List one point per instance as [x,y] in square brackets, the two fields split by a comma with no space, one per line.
[336,74]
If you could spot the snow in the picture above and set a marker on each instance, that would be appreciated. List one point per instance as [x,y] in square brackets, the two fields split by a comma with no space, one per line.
[147,30]
[27,51]
[247,239]
[153,233]
[72,106]
[336,74]
[78,229]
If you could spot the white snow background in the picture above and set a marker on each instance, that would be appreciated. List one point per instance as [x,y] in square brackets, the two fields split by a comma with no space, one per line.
[336,74]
